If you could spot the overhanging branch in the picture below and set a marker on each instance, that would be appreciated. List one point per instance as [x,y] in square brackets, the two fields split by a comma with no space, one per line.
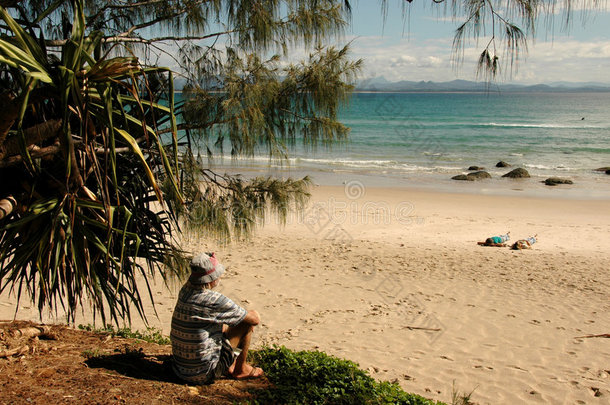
[33,135]
[123,38]
[35,153]
[9,3]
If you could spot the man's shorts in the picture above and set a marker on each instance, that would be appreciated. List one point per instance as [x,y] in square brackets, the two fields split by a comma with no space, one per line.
[227,358]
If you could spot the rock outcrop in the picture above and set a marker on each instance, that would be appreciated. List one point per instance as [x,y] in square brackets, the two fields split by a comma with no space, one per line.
[472,176]
[553,181]
[518,173]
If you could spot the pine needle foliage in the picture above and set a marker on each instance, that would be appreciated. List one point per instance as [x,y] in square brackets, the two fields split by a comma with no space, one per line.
[97,158]
[504,26]
[259,106]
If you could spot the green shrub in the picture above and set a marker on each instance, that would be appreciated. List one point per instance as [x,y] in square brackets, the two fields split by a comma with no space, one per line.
[312,377]
[150,335]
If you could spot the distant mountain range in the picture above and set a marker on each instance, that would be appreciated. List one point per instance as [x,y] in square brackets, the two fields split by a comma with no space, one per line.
[383,85]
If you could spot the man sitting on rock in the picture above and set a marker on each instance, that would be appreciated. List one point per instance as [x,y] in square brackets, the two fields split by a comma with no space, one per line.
[207,327]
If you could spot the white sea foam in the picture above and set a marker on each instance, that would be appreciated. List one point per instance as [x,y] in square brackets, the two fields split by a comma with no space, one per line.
[380,165]
[348,162]
[539,167]
[562,168]
[526,125]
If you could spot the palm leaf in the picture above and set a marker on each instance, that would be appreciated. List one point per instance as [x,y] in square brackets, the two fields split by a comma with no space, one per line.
[26,42]
[138,152]
[16,57]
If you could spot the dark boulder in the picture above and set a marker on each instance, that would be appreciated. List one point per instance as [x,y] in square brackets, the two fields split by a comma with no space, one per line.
[472,176]
[553,181]
[479,175]
[462,177]
[476,168]
[603,169]
[608,171]
[518,173]
[502,164]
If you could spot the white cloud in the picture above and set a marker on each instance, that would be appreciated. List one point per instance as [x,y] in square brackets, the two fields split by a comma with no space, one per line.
[417,58]
[567,60]
[587,6]
[563,59]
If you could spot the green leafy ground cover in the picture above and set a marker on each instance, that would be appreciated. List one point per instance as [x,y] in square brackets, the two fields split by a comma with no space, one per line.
[312,377]
[150,335]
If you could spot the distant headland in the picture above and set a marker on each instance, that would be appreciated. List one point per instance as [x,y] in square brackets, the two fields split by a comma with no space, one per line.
[380,84]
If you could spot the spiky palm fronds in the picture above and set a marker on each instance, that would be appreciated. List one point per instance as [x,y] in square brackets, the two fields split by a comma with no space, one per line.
[82,163]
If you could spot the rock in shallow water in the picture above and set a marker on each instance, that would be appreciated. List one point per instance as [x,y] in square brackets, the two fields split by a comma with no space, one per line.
[518,173]
[472,176]
[479,175]
[553,181]
[462,177]
[502,163]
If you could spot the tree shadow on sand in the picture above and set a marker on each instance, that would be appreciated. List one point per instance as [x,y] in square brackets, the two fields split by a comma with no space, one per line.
[137,364]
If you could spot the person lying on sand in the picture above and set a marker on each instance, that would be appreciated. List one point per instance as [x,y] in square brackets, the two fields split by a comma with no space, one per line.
[524,243]
[207,327]
[497,241]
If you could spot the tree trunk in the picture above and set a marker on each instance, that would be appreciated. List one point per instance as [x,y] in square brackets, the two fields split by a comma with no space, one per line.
[12,352]
[33,135]
[35,153]
[68,149]
[31,331]
[7,205]
[8,114]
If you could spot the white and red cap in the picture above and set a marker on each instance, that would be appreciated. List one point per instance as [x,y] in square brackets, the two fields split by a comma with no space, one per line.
[206,267]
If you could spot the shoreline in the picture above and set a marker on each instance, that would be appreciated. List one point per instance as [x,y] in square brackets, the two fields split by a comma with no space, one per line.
[597,187]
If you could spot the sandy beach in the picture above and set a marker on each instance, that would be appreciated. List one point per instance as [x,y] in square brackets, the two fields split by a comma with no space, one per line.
[393,279]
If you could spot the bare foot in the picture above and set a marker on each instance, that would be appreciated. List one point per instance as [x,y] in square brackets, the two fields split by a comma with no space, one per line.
[248,372]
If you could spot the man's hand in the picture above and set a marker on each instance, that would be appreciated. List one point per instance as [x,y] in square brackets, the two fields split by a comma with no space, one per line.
[252,318]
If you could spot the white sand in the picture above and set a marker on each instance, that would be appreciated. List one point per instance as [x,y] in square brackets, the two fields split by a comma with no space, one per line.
[394,279]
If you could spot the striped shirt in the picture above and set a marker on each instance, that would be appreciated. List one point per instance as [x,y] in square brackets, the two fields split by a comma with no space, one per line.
[196,333]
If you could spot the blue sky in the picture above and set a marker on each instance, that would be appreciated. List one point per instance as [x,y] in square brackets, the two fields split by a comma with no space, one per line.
[419,48]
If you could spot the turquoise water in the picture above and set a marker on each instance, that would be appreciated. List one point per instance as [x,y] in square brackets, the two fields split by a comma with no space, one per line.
[425,137]
[449,132]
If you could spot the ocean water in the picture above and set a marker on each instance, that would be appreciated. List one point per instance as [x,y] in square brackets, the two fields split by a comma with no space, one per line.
[426,138]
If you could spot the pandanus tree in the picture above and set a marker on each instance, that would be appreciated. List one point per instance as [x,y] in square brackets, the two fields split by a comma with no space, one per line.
[81,162]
